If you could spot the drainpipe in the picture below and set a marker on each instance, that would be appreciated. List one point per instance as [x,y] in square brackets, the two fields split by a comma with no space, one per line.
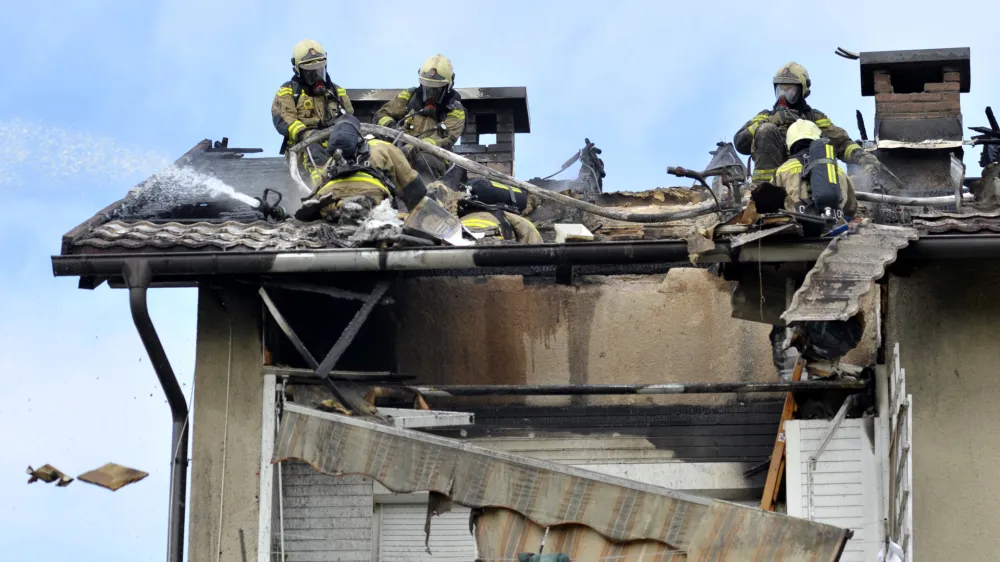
[137,276]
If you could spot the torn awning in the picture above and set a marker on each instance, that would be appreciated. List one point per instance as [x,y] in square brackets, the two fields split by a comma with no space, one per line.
[550,495]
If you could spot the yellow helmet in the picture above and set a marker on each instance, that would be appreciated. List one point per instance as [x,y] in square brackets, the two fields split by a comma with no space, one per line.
[436,72]
[801,130]
[794,73]
[307,52]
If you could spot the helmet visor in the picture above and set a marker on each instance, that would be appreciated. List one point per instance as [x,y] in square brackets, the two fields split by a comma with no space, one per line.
[435,93]
[788,92]
[314,73]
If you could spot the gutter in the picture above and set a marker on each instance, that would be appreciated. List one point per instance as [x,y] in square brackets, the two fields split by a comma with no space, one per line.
[181,264]
[138,276]
[409,259]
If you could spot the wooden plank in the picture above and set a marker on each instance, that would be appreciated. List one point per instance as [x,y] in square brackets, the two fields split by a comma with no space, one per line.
[777,468]
[267,431]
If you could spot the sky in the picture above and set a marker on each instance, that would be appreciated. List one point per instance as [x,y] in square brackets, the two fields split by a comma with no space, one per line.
[95,96]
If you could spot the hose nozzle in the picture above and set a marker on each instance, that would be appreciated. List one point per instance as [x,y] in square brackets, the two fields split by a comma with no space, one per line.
[271,210]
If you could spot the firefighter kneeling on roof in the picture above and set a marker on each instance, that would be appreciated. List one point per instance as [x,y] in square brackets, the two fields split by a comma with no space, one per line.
[494,210]
[367,171]
[813,182]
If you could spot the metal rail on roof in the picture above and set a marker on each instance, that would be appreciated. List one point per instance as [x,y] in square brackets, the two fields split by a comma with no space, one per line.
[616,389]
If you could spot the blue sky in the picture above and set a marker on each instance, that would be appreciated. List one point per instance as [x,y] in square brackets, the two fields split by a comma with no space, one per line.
[95,95]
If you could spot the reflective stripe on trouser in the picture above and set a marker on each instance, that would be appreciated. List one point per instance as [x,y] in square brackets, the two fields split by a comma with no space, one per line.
[482,223]
[768,152]
[355,185]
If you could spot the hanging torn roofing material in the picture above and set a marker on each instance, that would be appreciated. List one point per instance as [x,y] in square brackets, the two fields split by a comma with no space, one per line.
[549,495]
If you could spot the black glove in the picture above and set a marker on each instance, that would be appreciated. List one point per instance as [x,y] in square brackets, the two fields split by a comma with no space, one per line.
[782,117]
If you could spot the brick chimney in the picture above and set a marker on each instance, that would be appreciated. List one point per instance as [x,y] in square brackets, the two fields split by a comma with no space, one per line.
[918,113]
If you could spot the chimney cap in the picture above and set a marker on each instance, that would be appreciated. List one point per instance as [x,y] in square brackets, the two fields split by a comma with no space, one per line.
[916,63]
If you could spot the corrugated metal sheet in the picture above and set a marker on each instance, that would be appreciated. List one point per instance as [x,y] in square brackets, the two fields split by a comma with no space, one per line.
[844,491]
[401,535]
[548,494]
[971,222]
[846,270]
[260,235]
[326,517]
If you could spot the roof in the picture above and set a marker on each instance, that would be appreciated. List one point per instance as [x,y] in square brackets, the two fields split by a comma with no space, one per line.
[201,203]
[185,226]
[970,222]
[257,235]
[548,494]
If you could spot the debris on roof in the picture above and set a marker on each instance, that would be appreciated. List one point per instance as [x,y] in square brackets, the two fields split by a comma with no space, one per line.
[49,474]
[113,476]
[845,271]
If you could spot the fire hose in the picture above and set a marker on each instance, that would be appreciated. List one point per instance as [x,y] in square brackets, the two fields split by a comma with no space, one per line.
[698,210]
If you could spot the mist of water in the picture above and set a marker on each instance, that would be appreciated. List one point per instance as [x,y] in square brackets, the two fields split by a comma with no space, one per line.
[44,154]
[35,155]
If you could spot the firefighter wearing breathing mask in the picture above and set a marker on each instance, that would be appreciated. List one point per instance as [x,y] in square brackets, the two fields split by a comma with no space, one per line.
[310,100]
[813,182]
[763,137]
[432,112]
[360,168]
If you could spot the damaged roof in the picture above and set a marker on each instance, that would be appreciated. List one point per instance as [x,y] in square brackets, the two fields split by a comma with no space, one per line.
[675,525]
[971,222]
[185,208]
[258,235]
[177,218]
[846,271]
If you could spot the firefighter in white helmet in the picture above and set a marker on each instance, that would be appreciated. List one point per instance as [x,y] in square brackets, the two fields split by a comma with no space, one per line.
[811,179]
[763,137]
[432,112]
[310,100]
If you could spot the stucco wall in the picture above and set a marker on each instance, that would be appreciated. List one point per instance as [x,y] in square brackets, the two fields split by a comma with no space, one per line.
[630,329]
[218,373]
[944,317]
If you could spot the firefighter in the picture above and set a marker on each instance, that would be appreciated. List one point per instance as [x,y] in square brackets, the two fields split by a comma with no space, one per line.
[371,170]
[432,112]
[811,179]
[763,137]
[310,100]
[496,210]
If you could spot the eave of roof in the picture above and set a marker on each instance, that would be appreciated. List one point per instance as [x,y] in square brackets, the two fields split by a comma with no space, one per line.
[484,258]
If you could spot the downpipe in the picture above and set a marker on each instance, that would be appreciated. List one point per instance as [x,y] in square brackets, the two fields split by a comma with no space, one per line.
[138,276]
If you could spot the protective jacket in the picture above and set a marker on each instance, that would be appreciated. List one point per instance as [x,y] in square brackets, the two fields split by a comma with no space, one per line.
[294,109]
[782,117]
[790,178]
[387,175]
[421,120]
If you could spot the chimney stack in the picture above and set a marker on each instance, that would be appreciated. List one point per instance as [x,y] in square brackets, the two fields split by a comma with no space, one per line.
[918,114]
